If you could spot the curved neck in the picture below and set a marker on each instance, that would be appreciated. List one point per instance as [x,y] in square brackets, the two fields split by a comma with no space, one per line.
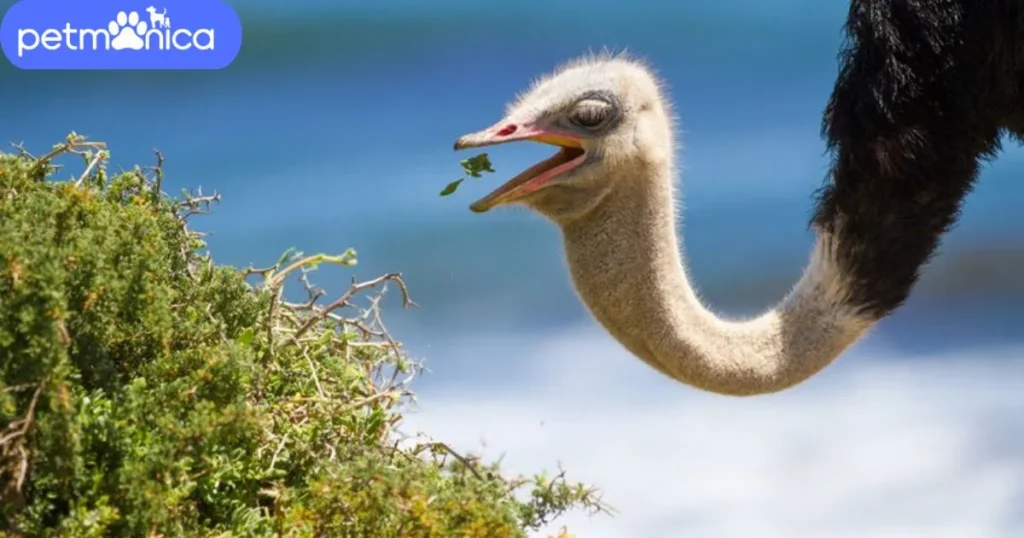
[627,266]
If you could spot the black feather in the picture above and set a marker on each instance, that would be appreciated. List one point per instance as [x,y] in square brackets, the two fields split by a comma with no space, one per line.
[924,90]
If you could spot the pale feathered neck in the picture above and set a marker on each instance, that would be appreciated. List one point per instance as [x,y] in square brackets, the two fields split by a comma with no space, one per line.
[627,265]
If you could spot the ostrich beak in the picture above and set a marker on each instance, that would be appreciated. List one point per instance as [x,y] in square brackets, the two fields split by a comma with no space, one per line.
[534,178]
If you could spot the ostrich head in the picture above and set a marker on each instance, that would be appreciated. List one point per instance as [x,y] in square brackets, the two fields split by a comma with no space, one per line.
[607,117]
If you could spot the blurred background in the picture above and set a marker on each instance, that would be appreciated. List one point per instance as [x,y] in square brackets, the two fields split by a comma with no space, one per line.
[333,129]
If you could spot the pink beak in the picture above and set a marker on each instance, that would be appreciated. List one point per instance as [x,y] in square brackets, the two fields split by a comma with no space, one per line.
[533,178]
[503,132]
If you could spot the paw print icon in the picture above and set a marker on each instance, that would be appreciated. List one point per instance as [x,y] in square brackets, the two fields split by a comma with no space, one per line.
[127,30]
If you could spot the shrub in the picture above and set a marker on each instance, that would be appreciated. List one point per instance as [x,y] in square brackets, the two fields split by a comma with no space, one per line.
[147,391]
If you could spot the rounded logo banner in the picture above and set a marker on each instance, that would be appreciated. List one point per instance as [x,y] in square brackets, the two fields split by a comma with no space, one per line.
[121,34]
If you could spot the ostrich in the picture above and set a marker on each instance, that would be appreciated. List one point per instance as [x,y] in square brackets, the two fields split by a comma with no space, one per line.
[923,91]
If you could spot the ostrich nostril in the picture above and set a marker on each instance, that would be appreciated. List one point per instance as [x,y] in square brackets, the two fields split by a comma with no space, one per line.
[509,129]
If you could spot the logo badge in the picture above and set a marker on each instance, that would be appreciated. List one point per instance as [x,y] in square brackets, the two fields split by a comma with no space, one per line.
[121,34]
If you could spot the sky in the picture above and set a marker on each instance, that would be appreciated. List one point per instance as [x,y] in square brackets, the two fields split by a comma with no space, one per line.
[333,129]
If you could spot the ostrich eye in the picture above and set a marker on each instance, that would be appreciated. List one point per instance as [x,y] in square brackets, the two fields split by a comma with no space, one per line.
[591,113]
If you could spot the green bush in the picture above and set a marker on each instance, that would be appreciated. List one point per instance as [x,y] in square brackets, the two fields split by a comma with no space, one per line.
[146,391]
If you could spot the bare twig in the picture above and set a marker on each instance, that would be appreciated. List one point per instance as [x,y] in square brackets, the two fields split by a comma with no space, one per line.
[74,143]
[313,293]
[346,258]
[374,344]
[198,203]
[22,152]
[375,310]
[254,271]
[23,468]
[354,288]
[18,388]
[312,370]
[280,446]
[193,204]
[20,427]
[100,155]
[352,406]
[12,444]
[158,173]
[437,445]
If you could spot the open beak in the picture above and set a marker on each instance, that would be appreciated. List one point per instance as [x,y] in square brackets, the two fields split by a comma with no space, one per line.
[570,156]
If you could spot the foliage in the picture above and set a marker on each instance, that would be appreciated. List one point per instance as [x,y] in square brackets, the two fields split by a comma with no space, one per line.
[147,391]
[473,167]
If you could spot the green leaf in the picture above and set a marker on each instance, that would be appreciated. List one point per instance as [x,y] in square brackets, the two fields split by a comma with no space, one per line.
[477,164]
[246,337]
[285,255]
[452,186]
[474,167]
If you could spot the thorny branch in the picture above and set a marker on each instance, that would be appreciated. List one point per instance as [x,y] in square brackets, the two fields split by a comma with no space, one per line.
[158,173]
[317,330]
[469,462]
[354,289]
[19,428]
[197,203]
[93,161]
[296,320]
[74,144]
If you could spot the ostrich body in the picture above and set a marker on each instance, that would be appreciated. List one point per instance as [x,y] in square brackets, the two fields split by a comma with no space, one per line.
[916,105]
